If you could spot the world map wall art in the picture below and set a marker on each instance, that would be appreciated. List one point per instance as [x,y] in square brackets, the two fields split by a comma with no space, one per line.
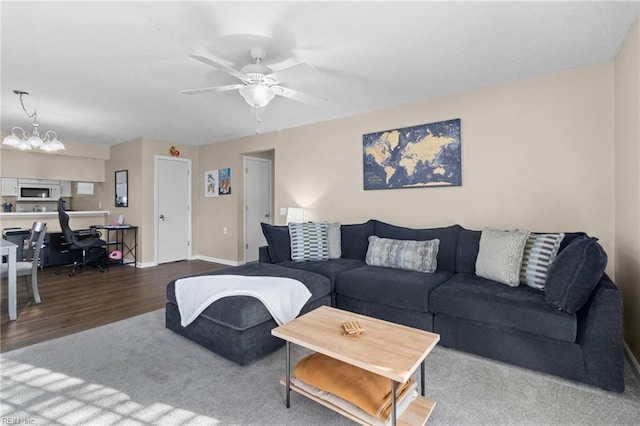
[413,157]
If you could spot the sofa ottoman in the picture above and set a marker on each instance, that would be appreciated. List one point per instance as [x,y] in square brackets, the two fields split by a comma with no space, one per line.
[239,327]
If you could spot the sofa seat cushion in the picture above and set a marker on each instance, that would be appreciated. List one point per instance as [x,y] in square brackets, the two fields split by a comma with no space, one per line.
[523,308]
[243,312]
[328,268]
[390,286]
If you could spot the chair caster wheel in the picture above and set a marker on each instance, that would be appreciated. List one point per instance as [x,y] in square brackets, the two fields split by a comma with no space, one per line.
[71,274]
[57,272]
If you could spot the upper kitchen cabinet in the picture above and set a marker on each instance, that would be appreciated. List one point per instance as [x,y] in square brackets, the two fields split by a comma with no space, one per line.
[65,188]
[9,187]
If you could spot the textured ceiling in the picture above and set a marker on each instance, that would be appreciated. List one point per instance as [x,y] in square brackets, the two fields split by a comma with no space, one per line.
[107,72]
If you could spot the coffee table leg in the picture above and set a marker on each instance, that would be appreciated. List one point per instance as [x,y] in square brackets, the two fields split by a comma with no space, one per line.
[422,377]
[288,384]
[393,402]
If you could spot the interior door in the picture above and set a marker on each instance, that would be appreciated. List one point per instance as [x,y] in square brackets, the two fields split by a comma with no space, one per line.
[173,210]
[257,190]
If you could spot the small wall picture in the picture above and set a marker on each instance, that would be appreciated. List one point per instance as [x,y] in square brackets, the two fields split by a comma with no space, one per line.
[224,179]
[211,183]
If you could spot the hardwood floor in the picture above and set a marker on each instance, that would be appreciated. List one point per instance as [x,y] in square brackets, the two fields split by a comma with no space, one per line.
[89,299]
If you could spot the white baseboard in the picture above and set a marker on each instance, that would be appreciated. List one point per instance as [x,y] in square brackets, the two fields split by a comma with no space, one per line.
[145,264]
[218,260]
[635,366]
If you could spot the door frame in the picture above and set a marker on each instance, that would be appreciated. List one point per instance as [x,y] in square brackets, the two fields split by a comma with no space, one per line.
[156,244]
[244,199]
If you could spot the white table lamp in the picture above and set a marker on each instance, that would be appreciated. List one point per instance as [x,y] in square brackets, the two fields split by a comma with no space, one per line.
[295,215]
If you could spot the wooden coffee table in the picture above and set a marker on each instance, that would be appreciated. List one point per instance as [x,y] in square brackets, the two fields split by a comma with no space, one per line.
[385,348]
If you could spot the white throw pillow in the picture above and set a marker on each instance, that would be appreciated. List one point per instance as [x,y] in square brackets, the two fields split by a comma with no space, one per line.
[500,255]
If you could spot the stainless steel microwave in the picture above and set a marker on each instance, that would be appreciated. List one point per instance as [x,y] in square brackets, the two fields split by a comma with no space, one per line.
[33,192]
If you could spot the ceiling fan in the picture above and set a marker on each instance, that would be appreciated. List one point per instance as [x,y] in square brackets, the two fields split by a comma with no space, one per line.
[259,83]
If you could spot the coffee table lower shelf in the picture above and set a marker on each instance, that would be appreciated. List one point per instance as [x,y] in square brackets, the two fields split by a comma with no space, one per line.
[417,413]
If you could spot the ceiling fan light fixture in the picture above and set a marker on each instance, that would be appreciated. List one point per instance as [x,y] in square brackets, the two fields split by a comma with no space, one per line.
[257,95]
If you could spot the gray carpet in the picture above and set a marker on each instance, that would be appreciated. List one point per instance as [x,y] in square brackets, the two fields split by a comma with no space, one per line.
[137,372]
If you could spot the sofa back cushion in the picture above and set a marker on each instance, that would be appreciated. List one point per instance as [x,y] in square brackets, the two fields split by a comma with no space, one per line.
[355,239]
[448,237]
[467,252]
[278,242]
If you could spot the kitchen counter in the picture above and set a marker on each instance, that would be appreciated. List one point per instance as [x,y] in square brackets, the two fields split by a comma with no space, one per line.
[77,219]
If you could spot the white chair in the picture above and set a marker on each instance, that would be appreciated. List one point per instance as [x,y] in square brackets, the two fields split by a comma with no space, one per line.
[29,267]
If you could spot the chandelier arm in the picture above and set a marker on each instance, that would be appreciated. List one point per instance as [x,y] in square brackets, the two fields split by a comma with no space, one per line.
[47,138]
[25,134]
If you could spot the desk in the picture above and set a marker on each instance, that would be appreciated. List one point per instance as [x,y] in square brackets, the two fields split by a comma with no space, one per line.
[9,250]
[115,238]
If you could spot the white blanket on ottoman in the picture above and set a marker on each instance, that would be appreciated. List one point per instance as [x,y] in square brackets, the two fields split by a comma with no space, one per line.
[283,297]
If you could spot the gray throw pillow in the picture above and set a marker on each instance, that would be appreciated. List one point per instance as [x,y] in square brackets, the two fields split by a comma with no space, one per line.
[335,241]
[309,241]
[500,255]
[403,254]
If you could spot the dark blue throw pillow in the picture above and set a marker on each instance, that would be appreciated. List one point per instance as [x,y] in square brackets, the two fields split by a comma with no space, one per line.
[574,274]
[279,242]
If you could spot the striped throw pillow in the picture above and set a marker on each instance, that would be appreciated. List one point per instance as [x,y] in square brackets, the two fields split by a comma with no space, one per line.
[309,241]
[539,252]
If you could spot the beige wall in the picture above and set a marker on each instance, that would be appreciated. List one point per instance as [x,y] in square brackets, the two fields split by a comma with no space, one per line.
[536,154]
[627,183]
[138,158]
[81,162]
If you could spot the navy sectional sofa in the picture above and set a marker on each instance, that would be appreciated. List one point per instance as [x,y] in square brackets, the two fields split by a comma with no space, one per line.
[511,324]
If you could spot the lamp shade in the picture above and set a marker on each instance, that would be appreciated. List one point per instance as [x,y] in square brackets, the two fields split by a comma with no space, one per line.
[295,215]
[12,140]
[35,141]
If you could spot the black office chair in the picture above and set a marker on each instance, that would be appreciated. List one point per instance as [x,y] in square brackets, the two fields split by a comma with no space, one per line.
[83,244]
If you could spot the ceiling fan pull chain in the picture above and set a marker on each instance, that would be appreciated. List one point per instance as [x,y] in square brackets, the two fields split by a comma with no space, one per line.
[258,119]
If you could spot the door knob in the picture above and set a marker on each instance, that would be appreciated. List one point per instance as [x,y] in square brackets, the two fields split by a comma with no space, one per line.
[162,216]
[267,215]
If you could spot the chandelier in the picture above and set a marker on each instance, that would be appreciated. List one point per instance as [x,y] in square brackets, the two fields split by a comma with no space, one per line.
[32,140]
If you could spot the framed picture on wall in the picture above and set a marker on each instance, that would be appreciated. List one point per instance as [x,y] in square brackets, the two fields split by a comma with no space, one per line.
[224,180]
[413,157]
[211,183]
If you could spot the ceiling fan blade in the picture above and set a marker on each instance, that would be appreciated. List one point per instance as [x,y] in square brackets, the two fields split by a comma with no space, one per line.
[211,89]
[228,70]
[296,95]
[291,73]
